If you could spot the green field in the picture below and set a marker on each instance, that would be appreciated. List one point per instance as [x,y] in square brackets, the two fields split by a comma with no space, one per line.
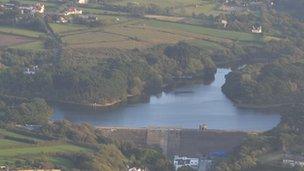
[40,149]
[35,46]
[12,150]
[240,36]
[61,28]
[4,144]
[162,3]
[20,32]
[4,132]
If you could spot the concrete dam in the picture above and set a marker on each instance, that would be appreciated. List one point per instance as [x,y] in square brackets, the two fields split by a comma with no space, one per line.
[175,141]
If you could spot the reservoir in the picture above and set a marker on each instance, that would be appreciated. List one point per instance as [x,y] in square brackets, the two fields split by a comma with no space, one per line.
[185,107]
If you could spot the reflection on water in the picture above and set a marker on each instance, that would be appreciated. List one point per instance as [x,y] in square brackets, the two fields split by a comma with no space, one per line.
[185,107]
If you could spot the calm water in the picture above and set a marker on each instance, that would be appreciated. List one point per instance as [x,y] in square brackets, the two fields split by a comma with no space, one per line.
[185,107]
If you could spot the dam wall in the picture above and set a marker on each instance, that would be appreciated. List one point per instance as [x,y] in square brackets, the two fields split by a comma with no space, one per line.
[189,142]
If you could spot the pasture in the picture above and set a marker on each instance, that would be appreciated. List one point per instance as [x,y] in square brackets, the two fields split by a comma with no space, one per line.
[20,32]
[14,146]
[34,150]
[143,33]
[10,40]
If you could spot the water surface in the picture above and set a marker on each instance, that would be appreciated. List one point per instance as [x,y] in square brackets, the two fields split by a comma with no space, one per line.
[185,107]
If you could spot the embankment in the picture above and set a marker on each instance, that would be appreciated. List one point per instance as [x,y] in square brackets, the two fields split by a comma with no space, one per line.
[175,141]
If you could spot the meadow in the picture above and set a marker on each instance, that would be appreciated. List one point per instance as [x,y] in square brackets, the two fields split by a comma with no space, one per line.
[143,33]
[14,146]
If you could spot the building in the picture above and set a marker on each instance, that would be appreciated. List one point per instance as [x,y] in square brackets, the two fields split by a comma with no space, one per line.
[31,71]
[256,29]
[136,169]
[61,19]
[203,127]
[185,161]
[293,160]
[72,11]
[83,1]
[39,8]
[225,23]
[26,9]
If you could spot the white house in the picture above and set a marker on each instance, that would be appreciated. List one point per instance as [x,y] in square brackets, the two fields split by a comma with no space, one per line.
[83,1]
[31,71]
[72,11]
[39,8]
[61,19]
[225,23]
[136,169]
[185,161]
[293,160]
[256,29]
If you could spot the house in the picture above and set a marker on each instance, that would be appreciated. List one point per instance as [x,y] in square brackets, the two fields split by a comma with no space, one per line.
[185,161]
[83,1]
[2,167]
[72,11]
[32,127]
[26,9]
[61,19]
[224,22]
[293,160]
[39,8]
[31,71]
[256,29]
[136,169]
[203,127]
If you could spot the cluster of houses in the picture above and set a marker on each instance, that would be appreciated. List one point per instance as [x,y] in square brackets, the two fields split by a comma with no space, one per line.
[256,29]
[293,160]
[39,8]
[181,161]
[31,70]
[25,9]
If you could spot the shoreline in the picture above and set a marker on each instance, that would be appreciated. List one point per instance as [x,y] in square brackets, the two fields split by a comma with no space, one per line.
[262,107]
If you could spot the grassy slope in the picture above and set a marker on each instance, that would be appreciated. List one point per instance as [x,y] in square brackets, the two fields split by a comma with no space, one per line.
[12,150]
[240,36]
[20,32]
[41,149]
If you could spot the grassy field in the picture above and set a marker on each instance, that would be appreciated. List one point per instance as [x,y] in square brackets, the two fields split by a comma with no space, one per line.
[61,28]
[5,143]
[41,149]
[162,3]
[35,46]
[10,40]
[179,7]
[13,134]
[20,32]
[12,150]
[140,33]
[240,36]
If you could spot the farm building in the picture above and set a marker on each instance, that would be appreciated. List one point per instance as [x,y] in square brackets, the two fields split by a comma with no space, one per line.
[293,160]
[256,29]
[83,1]
[185,161]
[72,11]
